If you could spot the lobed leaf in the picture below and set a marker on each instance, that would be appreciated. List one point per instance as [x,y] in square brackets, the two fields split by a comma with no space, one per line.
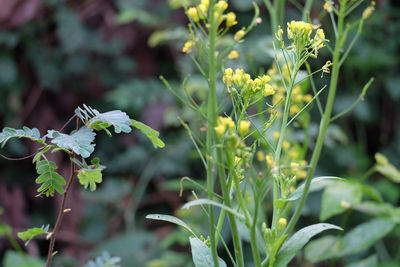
[201,254]
[32,134]
[149,132]
[80,142]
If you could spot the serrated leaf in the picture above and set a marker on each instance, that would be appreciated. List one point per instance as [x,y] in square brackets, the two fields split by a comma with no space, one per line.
[32,134]
[90,178]
[204,201]
[50,180]
[290,248]
[31,233]
[338,197]
[149,132]
[201,254]
[80,142]
[171,219]
[358,239]
[101,121]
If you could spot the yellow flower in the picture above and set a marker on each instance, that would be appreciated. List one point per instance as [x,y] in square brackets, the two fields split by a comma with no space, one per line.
[268,90]
[328,7]
[206,3]
[294,165]
[325,68]
[233,54]
[244,127]
[276,135]
[307,98]
[260,155]
[301,174]
[192,13]
[285,144]
[231,19]
[293,153]
[282,222]
[220,129]
[221,6]
[228,71]
[187,47]
[344,204]
[294,109]
[239,35]
[237,160]
[226,121]
[202,11]
[265,78]
[270,161]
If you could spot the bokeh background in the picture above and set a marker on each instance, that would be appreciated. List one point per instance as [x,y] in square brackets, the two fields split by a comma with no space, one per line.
[56,55]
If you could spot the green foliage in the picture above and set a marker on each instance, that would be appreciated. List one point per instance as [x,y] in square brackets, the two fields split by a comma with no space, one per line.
[371,261]
[171,219]
[32,134]
[80,141]
[105,260]
[201,254]
[31,233]
[5,229]
[204,201]
[356,240]
[50,180]
[290,248]
[384,167]
[101,121]
[338,197]
[149,132]
[17,259]
[91,175]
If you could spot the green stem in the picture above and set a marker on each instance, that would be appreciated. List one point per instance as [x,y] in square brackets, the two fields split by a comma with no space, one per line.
[306,10]
[324,121]
[211,119]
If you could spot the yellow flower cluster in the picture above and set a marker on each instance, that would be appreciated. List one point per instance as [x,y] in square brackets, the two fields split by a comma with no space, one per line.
[200,11]
[328,6]
[299,169]
[187,47]
[248,86]
[368,11]
[299,34]
[223,124]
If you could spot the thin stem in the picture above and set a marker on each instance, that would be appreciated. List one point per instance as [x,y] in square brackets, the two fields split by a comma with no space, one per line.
[324,122]
[306,10]
[60,216]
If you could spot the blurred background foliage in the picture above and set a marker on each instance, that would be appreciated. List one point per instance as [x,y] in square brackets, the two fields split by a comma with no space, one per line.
[56,55]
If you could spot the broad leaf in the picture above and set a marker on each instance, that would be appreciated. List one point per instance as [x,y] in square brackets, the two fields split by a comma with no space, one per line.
[379,209]
[32,134]
[204,201]
[101,121]
[171,219]
[201,254]
[371,261]
[384,167]
[290,248]
[31,233]
[338,197]
[16,259]
[50,180]
[358,239]
[80,142]
[149,132]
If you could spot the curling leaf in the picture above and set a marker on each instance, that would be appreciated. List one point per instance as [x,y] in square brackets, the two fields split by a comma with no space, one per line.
[31,233]
[8,133]
[101,121]
[80,142]
[50,180]
[149,132]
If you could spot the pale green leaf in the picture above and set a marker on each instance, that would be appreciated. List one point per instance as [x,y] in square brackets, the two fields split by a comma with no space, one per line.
[338,197]
[149,132]
[371,261]
[171,219]
[204,201]
[31,233]
[384,167]
[101,121]
[16,259]
[80,142]
[290,248]
[379,209]
[201,254]
[323,248]
[32,134]
[317,183]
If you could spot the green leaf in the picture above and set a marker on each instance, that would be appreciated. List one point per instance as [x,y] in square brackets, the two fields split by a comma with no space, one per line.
[90,178]
[79,142]
[317,183]
[379,209]
[201,254]
[358,239]
[371,261]
[105,260]
[171,219]
[32,134]
[16,259]
[5,229]
[203,201]
[31,233]
[149,132]
[298,240]
[384,167]
[50,180]
[338,197]
[101,121]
